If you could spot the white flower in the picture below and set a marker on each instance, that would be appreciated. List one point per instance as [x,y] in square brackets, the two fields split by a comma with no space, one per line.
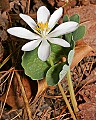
[42,34]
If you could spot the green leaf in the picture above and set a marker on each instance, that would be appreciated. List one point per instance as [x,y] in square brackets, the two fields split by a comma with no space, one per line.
[70,57]
[55,57]
[66,67]
[79,33]
[65,18]
[68,37]
[56,48]
[75,18]
[67,50]
[56,52]
[63,72]
[33,66]
[52,76]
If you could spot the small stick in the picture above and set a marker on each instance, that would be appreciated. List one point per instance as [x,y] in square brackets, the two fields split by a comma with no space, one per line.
[7,94]
[28,6]
[24,96]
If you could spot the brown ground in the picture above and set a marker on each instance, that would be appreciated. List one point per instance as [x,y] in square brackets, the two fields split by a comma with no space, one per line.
[49,104]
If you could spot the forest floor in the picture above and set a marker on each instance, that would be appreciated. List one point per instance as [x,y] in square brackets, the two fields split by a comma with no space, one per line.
[48,104]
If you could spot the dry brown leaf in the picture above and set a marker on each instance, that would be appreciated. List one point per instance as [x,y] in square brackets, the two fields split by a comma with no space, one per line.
[37,4]
[60,3]
[93,2]
[87,18]
[84,2]
[90,36]
[16,4]
[23,6]
[3,35]
[42,85]
[86,13]
[15,99]
[3,27]
[88,111]
[4,5]
[80,52]
[70,4]
[51,2]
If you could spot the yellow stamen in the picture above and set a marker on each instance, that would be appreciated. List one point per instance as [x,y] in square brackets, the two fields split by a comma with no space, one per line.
[42,26]
[42,29]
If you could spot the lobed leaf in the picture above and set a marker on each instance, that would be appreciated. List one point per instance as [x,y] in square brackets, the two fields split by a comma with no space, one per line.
[52,76]
[33,66]
[68,37]
[79,33]
[75,18]
[70,57]
[63,72]
[65,18]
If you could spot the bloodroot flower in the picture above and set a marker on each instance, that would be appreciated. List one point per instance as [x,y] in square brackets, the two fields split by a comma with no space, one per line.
[43,34]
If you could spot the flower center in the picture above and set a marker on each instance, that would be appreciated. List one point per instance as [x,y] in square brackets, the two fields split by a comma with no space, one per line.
[42,29]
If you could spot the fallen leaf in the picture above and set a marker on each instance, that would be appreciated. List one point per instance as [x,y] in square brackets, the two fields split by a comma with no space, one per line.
[84,2]
[3,35]
[88,111]
[18,6]
[15,99]
[90,36]
[86,13]
[51,2]
[88,93]
[81,42]
[37,4]
[87,18]
[4,5]
[23,5]
[93,2]
[60,3]
[3,27]
[42,85]
[80,52]
[71,4]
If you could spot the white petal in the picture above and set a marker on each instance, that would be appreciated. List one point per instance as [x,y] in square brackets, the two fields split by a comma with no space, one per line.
[31,45]
[64,28]
[43,14]
[55,17]
[28,20]
[44,50]
[22,33]
[59,41]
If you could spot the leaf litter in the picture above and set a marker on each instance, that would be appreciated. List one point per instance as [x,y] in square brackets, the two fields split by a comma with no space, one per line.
[48,103]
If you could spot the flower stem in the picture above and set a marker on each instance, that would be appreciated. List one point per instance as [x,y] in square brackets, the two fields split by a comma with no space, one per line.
[66,101]
[64,95]
[51,62]
[71,90]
